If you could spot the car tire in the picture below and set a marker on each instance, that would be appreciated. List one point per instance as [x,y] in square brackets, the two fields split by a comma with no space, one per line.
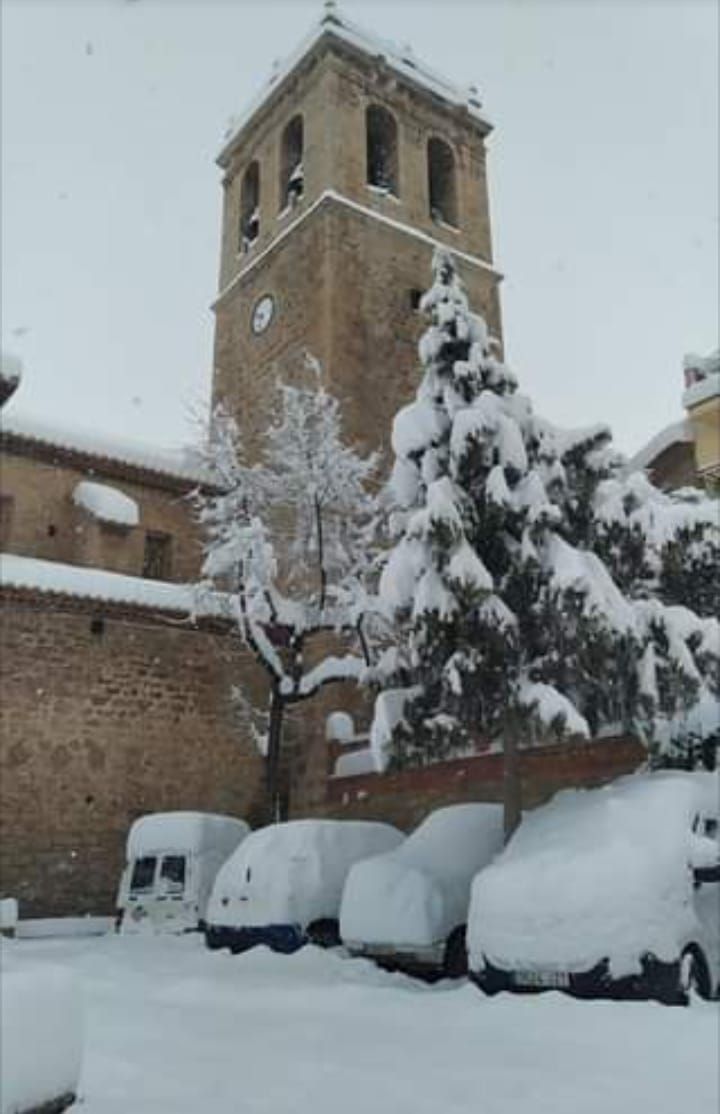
[324,933]
[694,975]
[455,962]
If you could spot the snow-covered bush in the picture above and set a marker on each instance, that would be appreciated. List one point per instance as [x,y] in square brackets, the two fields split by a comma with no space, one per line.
[510,623]
[287,541]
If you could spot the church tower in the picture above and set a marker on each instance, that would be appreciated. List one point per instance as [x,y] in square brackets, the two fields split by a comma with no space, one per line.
[352,165]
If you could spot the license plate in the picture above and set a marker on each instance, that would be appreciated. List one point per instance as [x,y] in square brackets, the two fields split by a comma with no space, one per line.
[558,980]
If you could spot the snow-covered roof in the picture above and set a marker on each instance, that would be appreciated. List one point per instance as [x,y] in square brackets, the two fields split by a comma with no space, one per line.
[183,464]
[98,584]
[399,58]
[107,504]
[702,390]
[676,432]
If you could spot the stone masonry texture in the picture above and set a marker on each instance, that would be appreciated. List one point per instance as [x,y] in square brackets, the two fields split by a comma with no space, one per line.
[100,725]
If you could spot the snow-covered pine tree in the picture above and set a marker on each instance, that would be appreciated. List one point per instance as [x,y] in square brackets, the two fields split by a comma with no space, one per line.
[662,550]
[505,627]
[286,545]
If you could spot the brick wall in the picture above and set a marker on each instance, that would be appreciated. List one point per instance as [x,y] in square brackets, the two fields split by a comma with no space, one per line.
[98,728]
[406,797]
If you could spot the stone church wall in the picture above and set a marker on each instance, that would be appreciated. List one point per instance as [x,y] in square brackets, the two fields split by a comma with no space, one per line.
[108,714]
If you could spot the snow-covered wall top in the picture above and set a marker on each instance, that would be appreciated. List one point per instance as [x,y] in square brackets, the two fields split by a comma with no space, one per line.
[89,583]
[400,59]
[184,464]
[107,504]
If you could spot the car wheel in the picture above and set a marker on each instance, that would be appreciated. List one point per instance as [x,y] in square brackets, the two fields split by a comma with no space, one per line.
[455,963]
[694,974]
[324,933]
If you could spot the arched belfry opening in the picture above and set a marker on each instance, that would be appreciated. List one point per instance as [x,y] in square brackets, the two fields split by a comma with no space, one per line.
[442,186]
[382,149]
[250,207]
[292,174]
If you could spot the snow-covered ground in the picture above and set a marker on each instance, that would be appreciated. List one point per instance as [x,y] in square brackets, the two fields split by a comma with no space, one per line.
[174,1029]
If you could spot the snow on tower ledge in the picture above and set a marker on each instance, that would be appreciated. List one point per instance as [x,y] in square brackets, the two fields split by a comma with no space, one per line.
[401,60]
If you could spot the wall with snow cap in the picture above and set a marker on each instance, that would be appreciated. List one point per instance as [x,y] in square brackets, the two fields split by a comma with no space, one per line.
[405,797]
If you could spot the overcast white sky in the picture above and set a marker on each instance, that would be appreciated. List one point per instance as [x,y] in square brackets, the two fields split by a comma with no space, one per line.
[603,174]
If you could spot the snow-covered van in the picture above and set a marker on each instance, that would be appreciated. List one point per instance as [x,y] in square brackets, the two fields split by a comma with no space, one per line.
[408,907]
[172,861]
[609,892]
[283,885]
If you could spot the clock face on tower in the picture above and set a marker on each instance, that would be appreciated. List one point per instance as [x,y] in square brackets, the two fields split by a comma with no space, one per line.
[263,313]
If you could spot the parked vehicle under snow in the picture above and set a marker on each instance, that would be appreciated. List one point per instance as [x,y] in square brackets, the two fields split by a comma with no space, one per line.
[408,907]
[283,885]
[606,892]
[172,861]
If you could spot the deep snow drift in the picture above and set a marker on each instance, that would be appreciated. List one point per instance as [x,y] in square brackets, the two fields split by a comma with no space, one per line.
[175,1029]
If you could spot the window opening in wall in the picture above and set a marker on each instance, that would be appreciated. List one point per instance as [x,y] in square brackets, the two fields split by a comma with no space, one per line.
[51,531]
[143,874]
[382,150]
[441,182]
[415,298]
[7,510]
[156,558]
[250,207]
[292,173]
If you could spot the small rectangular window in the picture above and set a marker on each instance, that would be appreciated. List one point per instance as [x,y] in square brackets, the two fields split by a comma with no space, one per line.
[172,872]
[143,874]
[156,559]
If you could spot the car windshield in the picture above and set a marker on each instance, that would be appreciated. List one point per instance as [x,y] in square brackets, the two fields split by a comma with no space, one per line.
[143,874]
[172,873]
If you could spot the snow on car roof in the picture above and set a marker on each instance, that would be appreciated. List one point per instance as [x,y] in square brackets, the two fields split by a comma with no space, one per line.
[192,831]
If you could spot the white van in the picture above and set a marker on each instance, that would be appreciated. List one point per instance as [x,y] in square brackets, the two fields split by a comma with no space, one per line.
[283,885]
[408,908]
[172,861]
[611,892]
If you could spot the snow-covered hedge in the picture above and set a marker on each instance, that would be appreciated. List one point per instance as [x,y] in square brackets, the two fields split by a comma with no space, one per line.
[42,1035]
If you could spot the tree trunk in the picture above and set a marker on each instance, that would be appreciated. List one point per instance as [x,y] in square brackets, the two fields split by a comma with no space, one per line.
[512,785]
[272,760]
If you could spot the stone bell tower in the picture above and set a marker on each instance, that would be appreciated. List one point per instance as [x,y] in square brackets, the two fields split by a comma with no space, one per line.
[352,165]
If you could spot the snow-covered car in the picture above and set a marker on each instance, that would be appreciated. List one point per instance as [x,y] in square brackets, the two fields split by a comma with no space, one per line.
[172,861]
[408,908]
[611,892]
[41,1026]
[283,885]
